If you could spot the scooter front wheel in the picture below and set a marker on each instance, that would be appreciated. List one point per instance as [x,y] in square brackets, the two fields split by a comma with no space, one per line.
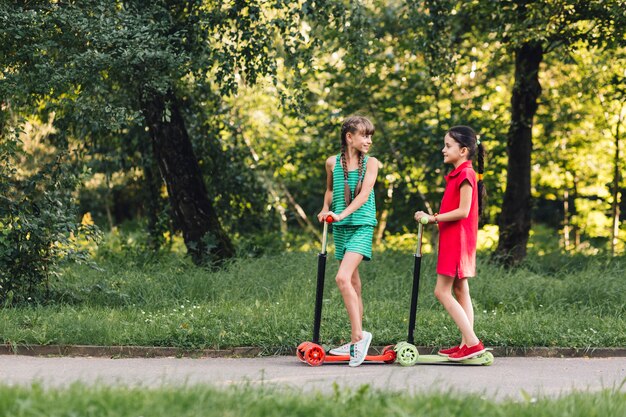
[407,354]
[314,355]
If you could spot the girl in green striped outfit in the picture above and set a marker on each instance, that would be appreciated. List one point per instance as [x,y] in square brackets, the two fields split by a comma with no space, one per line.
[349,199]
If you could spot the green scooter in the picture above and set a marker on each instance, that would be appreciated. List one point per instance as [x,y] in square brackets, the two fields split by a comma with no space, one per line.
[406,352]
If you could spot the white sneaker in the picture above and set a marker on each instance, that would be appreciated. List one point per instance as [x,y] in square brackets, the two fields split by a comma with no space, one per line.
[358,350]
[341,350]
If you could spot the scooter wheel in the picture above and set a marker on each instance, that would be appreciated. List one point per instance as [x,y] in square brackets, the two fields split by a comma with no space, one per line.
[390,353]
[301,349]
[399,346]
[314,355]
[488,358]
[407,355]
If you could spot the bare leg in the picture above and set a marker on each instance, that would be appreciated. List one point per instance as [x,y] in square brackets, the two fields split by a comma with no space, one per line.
[356,284]
[462,294]
[443,292]
[351,298]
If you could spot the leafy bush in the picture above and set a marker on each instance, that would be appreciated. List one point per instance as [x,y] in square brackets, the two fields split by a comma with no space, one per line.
[38,224]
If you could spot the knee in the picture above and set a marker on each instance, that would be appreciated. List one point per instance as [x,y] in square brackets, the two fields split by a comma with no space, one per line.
[441,294]
[343,281]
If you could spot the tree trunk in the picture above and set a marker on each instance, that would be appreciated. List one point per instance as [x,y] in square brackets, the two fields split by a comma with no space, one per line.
[108,201]
[566,225]
[615,191]
[514,220]
[193,212]
[574,212]
[152,184]
[566,200]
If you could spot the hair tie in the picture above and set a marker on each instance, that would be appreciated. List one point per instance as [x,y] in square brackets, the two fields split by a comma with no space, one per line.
[477,141]
[479,177]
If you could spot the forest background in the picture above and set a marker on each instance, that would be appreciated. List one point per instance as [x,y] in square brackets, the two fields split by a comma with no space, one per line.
[163,123]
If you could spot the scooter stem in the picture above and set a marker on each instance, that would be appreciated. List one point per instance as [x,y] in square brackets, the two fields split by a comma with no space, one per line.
[328,220]
[319,290]
[420,231]
[416,283]
[324,238]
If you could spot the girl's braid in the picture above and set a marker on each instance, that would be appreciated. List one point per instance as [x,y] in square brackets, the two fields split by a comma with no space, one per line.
[359,184]
[346,187]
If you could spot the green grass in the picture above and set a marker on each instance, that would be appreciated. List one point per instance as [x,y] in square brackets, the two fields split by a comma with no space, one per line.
[268,302]
[243,401]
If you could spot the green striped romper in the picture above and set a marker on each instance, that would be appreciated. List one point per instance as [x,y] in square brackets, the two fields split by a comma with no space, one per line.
[355,232]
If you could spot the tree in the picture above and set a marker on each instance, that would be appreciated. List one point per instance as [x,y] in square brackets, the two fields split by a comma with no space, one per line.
[104,65]
[578,129]
[529,30]
[610,94]
[38,223]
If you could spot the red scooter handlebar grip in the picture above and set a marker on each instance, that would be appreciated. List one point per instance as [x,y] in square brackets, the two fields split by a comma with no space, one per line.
[329,219]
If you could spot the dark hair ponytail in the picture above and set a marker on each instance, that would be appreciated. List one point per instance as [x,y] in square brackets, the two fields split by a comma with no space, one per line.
[465,136]
[480,167]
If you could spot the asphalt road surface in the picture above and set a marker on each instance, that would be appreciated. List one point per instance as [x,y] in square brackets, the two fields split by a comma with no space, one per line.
[507,378]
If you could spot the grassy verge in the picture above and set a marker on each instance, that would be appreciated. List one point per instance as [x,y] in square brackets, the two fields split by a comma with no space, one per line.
[246,401]
[268,302]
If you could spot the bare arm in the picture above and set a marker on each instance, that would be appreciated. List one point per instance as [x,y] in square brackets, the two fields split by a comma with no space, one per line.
[328,194]
[462,212]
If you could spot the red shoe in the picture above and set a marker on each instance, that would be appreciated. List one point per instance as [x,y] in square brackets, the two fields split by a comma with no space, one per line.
[467,352]
[449,351]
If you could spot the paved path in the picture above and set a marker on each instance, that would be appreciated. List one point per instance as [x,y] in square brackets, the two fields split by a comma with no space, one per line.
[507,377]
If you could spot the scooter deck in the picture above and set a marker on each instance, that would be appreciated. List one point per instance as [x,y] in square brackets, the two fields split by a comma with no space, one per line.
[388,357]
[315,355]
[483,359]
[408,355]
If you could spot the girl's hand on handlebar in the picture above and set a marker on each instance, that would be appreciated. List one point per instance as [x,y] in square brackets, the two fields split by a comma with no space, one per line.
[335,216]
[324,215]
[419,214]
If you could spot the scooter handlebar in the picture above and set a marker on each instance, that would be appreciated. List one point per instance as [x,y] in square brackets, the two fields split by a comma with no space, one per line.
[329,219]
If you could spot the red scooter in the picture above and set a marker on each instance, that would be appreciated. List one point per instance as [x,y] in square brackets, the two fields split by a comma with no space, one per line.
[312,352]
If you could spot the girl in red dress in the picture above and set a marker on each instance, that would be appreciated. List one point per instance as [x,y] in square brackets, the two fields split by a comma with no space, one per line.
[458,228]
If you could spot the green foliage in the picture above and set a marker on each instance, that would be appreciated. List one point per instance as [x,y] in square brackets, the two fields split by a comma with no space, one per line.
[97,63]
[267,400]
[38,225]
[225,153]
[579,131]
[268,301]
[264,86]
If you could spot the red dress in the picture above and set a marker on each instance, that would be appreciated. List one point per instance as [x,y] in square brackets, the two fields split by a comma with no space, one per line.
[457,239]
